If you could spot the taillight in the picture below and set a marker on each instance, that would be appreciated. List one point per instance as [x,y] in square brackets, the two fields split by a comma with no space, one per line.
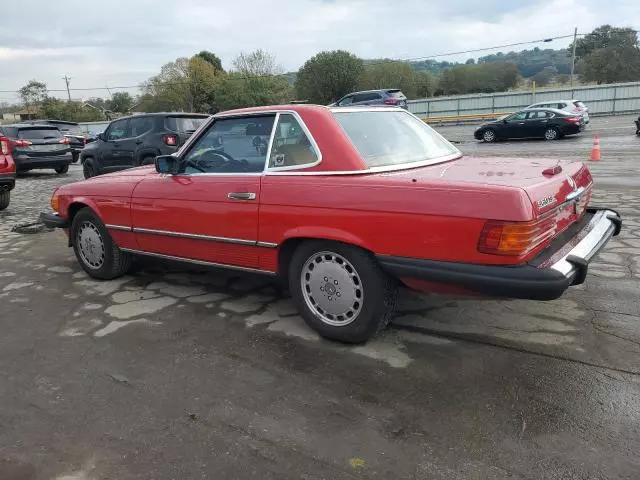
[572,119]
[64,141]
[171,140]
[5,148]
[516,238]
[20,143]
[390,101]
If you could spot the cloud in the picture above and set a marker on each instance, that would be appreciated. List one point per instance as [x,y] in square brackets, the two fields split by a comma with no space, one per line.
[123,42]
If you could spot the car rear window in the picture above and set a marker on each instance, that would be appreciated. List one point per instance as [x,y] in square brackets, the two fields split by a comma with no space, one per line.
[396,94]
[70,129]
[183,123]
[39,133]
[387,138]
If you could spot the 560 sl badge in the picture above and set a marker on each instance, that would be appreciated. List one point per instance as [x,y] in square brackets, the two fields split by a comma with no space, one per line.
[546,201]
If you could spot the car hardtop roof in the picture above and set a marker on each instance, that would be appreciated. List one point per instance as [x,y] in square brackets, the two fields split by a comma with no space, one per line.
[555,101]
[293,107]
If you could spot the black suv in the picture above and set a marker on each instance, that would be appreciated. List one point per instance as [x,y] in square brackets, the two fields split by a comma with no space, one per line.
[37,147]
[137,140]
[71,130]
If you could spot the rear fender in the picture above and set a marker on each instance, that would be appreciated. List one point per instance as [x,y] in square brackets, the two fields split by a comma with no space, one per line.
[324,233]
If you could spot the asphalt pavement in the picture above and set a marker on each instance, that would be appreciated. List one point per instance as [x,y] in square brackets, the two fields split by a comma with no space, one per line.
[171,373]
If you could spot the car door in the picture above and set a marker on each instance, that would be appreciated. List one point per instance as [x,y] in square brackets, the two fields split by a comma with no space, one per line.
[514,125]
[139,126]
[114,155]
[209,210]
[536,123]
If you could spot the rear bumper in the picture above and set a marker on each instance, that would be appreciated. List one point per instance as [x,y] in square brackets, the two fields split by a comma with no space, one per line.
[53,220]
[546,281]
[7,181]
[28,163]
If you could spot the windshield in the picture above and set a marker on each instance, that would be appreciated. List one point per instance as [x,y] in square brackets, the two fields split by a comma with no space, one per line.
[184,124]
[385,138]
[39,133]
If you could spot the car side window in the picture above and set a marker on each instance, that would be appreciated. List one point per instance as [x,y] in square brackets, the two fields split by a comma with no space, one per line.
[518,116]
[291,145]
[346,101]
[231,145]
[140,125]
[537,115]
[117,130]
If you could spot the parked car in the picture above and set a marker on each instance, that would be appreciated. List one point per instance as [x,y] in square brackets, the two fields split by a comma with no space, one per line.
[386,96]
[573,107]
[637,122]
[137,140]
[345,204]
[38,147]
[71,130]
[7,172]
[547,123]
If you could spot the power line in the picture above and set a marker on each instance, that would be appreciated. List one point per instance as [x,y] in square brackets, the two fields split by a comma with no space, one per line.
[248,77]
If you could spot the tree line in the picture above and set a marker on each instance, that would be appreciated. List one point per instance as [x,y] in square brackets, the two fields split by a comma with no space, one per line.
[201,84]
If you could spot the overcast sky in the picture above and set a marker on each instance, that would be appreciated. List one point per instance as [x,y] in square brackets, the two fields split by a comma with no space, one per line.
[123,42]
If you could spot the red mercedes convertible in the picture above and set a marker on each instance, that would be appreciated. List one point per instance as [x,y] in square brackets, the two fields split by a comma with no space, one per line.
[343,204]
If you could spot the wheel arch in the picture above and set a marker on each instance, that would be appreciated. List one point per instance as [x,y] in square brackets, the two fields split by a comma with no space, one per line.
[287,248]
[146,152]
[74,207]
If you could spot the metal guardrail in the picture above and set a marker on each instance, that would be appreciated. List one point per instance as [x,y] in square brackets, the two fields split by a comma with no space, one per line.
[471,117]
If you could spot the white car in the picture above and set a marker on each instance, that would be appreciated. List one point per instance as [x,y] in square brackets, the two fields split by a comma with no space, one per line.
[572,106]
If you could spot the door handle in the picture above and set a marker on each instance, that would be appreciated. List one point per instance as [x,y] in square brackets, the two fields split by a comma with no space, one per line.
[241,196]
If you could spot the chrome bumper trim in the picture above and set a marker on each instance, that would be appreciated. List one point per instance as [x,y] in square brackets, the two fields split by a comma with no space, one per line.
[601,228]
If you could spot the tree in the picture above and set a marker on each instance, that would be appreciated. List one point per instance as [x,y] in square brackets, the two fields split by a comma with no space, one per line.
[328,76]
[211,58]
[258,62]
[187,84]
[481,78]
[70,111]
[545,77]
[397,74]
[608,55]
[33,92]
[120,102]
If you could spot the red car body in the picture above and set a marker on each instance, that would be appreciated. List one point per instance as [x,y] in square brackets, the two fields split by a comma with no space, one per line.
[7,172]
[492,226]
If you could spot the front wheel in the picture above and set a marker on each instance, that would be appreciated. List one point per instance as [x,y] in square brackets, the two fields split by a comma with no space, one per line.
[551,134]
[341,291]
[489,136]
[95,250]
[89,168]
[75,156]
[5,197]
[62,170]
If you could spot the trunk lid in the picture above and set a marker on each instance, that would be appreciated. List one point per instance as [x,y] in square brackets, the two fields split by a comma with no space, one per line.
[558,190]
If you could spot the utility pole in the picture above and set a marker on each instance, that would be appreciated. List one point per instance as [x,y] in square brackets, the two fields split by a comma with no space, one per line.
[66,79]
[573,55]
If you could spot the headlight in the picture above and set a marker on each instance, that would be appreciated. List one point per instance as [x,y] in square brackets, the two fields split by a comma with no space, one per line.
[55,201]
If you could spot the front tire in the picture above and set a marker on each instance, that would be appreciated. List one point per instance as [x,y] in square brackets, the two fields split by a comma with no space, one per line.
[489,136]
[89,168]
[340,291]
[62,170]
[75,156]
[551,134]
[95,250]
[5,198]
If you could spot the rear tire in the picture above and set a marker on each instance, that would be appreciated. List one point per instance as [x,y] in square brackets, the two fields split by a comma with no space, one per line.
[551,134]
[5,198]
[75,157]
[89,168]
[489,136]
[97,253]
[341,291]
[62,170]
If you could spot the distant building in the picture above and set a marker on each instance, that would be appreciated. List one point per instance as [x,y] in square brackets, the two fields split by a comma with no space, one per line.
[29,113]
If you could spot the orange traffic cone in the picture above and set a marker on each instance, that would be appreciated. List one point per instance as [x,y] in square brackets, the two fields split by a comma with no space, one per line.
[595,151]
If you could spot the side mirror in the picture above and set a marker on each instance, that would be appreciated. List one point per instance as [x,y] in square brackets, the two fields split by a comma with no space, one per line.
[101,136]
[505,121]
[167,164]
